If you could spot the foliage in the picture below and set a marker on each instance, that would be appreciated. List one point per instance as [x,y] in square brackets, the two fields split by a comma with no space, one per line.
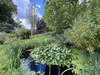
[13,54]
[11,35]
[23,33]
[62,38]
[80,61]
[94,60]
[19,23]
[10,53]
[94,7]
[84,32]
[3,37]
[10,56]
[3,60]
[58,14]
[42,40]
[85,63]
[4,27]
[40,24]
[7,8]
[82,22]
[11,40]
[52,55]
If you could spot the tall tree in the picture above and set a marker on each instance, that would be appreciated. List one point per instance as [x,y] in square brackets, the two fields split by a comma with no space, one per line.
[59,14]
[32,16]
[74,3]
[7,8]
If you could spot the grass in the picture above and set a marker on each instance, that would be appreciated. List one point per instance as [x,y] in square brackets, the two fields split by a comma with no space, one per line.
[11,51]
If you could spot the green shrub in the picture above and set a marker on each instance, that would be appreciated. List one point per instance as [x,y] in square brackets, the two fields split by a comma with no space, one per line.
[23,33]
[84,33]
[85,63]
[3,37]
[11,35]
[80,61]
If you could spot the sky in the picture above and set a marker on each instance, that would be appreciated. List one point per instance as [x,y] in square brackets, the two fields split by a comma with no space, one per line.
[21,10]
[22,5]
[41,4]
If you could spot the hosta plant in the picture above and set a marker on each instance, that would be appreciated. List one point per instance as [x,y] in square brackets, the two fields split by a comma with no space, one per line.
[52,55]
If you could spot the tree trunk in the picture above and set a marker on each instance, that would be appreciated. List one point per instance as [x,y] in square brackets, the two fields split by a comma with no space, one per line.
[75,11]
[32,29]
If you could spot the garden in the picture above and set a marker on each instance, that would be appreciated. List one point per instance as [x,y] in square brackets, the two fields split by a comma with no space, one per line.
[66,41]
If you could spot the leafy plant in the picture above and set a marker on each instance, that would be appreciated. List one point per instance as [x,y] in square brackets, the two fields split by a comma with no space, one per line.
[80,61]
[85,63]
[52,55]
[7,23]
[10,56]
[62,38]
[11,35]
[84,33]
[3,37]
[94,60]
[10,59]
[23,33]
[58,14]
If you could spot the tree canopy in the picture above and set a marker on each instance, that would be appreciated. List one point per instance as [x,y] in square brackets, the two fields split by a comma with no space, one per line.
[60,14]
[7,8]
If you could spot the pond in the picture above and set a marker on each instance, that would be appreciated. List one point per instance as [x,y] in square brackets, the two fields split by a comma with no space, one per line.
[29,66]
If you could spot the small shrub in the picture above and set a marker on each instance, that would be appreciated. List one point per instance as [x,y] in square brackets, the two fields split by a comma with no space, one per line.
[11,35]
[3,37]
[23,33]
